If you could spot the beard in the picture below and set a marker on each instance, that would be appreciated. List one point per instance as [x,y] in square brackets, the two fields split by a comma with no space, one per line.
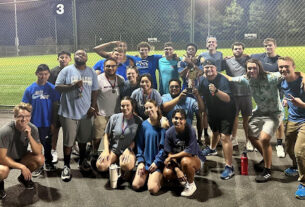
[79,63]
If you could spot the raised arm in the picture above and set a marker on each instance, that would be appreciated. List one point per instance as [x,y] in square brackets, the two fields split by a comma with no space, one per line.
[100,49]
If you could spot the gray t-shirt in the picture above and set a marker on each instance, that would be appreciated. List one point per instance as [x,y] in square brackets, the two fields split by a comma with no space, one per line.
[217,57]
[237,67]
[74,104]
[122,132]
[140,99]
[15,141]
[108,99]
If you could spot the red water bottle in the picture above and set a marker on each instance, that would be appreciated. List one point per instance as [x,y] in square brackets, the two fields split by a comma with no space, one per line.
[244,163]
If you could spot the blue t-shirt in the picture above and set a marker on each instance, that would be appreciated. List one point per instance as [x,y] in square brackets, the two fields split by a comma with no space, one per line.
[217,58]
[189,104]
[74,104]
[186,141]
[215,106]
[269,63]
[140,99]
[296,114]
[148,65]
[121,67]
[168,70]
[41,98]
[150,142]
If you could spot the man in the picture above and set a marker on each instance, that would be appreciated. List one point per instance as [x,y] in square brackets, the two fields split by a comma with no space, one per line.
[212,53]
[216,93]
[269,61]
[78,85]
[236,66]
[118,53]
[295,138]
[183,153]
[168,68]
[147,63]
[64,58]
[14,140]
[42,95]
[177,99]
[108,100]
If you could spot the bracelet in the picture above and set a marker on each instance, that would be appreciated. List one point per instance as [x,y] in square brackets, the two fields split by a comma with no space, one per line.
[216,91]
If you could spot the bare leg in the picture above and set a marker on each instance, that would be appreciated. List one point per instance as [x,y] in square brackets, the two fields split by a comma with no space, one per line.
[227,148]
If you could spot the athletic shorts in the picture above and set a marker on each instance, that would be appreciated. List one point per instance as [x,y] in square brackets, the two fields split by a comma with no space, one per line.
[223,126]
[268,124]
[243,104]
[80,130]
[100,123]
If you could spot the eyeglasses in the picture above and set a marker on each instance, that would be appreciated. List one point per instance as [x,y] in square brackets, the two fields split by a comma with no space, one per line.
[23,117]
[174,86]
[110,66]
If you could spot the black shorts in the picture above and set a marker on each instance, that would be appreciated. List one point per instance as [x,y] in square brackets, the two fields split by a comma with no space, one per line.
[221,125]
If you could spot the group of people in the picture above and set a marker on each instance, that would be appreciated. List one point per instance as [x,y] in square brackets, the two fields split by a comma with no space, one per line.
[131,118]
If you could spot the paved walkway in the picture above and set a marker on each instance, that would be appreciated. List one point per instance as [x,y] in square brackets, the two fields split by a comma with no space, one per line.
[94,190]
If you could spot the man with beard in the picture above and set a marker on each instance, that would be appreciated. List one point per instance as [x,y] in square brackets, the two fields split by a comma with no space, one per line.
[295,138]
[236,66]
[108,100]
[78,85]
[177,99]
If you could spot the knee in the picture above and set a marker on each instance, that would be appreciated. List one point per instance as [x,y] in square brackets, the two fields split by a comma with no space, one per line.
[299,151]
[153,188]
[127,166]
[224,138]
[168,174]
[265,141]
[4,171]
[136,186]
[102,167]
[39,160]
[185,162]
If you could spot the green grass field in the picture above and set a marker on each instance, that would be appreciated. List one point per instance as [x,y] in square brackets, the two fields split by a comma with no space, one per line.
[16,73]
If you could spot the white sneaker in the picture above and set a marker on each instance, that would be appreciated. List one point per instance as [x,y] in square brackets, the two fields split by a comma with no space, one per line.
[234,141]
[54,156]
[249,146]
[189,189]
[37,172]
[280,151]
[75,149]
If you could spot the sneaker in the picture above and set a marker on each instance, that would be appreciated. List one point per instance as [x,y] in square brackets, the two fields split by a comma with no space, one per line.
[234,141]
[85,166]
[259,167]
[66,174]
[189,189]
[249,146]
[28,184]
[49,167]
[75,149]
[55,156]
[227,173]
[280,151]
[37,172]
[264,176]
[300,193]
[208,151]
[291,172]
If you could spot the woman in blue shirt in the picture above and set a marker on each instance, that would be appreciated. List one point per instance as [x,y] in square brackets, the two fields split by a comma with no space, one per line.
[150,154]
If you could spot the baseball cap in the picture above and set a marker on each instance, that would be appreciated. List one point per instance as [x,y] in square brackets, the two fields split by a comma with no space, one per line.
[208,62]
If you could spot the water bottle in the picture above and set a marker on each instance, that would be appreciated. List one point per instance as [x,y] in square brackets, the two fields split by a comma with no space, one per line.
[244,163]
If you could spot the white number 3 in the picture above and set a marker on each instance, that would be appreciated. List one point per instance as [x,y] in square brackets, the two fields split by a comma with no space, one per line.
[60,9]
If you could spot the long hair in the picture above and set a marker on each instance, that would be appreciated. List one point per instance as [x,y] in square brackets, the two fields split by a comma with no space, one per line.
[159,112]
[132,102]
[149,77]
[262,74]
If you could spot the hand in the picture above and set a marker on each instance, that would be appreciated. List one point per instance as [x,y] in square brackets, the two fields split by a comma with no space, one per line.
[27,131]
[26,173]
[78,84]
[212,89]
[296,101]
[164,123]
[152,168]
[168,160]
[183,94]
[125,156]
[104,157]
[141,169]
[91,112]
[284,102]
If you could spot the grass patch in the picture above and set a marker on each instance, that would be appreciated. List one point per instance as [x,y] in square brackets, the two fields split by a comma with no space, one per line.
[16,73]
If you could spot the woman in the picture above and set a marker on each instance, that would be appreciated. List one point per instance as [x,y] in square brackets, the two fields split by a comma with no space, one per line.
[145,92]
[119,138]
[132,83]
[150,154]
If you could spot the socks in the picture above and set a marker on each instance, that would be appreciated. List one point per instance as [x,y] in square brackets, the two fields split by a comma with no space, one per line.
[279,141]
[1,184]
[67,159]
[205,131]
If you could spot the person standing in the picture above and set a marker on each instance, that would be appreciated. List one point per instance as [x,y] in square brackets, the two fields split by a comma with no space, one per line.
[78,86]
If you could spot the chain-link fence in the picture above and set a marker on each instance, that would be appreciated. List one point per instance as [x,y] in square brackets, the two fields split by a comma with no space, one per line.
[40,27]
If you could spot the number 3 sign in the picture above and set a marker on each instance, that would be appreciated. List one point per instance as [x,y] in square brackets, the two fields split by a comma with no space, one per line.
[60,9]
